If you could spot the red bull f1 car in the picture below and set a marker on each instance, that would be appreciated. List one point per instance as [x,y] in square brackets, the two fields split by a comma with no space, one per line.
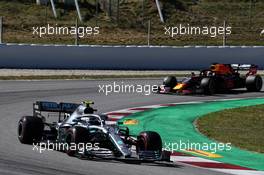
[218,78]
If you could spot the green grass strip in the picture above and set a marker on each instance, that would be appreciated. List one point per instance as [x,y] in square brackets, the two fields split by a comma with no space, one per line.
[243,127]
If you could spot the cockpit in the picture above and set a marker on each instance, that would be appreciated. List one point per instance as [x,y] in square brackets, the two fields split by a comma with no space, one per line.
[85,114]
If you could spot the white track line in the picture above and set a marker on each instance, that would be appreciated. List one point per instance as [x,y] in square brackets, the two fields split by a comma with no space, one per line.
[190,159]
[240,172]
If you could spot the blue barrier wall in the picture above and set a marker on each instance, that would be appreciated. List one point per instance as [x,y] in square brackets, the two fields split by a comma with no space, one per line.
[124,57]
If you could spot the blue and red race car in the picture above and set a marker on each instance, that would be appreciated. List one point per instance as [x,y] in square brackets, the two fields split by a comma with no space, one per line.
[218,78]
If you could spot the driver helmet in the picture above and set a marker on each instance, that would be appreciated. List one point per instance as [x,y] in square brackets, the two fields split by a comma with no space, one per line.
[88,110]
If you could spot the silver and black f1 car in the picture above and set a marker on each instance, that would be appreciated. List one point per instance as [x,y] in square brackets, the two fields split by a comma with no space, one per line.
[77,124]
[218,78]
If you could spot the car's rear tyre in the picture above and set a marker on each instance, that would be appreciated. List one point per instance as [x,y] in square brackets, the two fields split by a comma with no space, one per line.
[208,86]
[170,81]
[149,141]
[76,135]
[254,83]
[30,129]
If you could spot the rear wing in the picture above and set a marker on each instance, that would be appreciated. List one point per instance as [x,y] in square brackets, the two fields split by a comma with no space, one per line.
[252,68]
[46,106]
[244,66]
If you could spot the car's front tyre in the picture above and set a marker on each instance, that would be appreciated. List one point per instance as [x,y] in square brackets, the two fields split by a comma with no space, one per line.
[208,86]
[76,135]
[149,141]
[170,81]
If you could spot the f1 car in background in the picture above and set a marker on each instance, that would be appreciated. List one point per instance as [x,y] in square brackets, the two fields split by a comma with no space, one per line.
[218,78]
[77,124]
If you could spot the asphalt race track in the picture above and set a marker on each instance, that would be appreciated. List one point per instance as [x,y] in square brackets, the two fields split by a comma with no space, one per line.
[16,98]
